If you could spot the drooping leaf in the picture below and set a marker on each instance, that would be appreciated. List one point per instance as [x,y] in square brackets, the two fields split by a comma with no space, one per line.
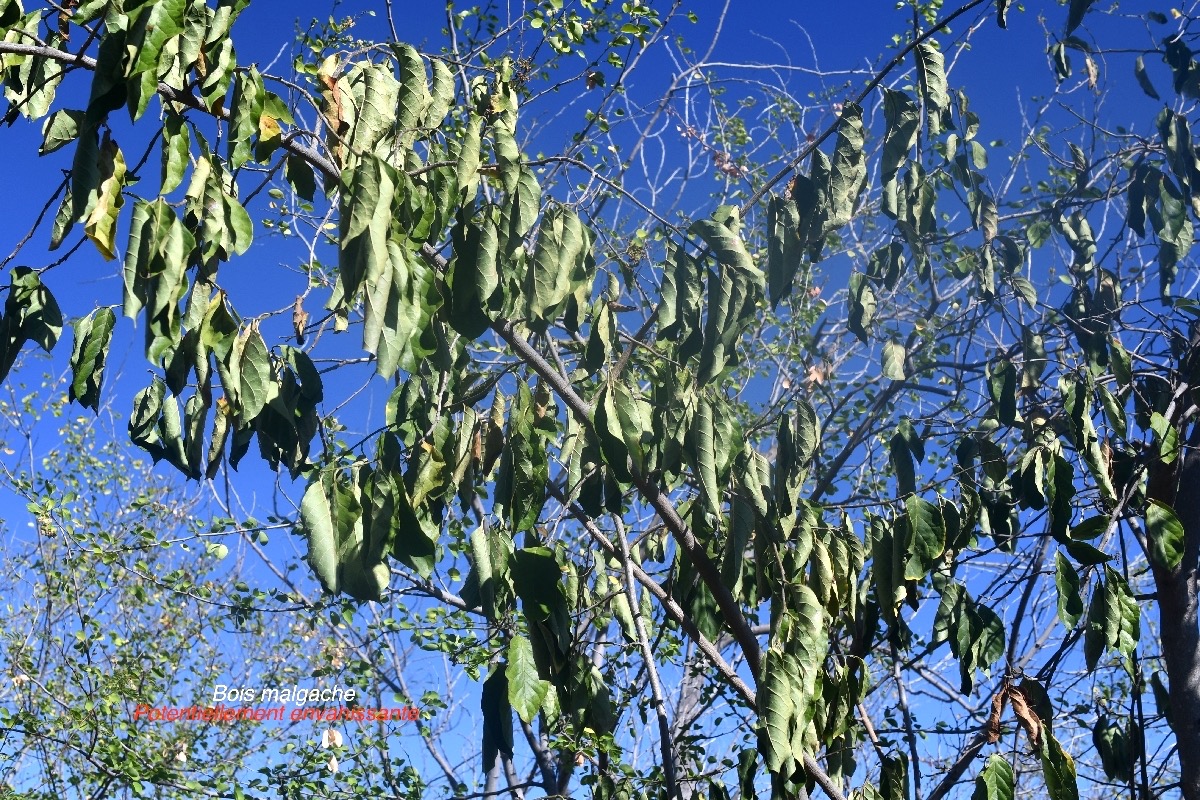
[101,222]
[862,307]
[931,71]
[254,373]
[321,535]
[155,23]
[526,690]
[248,97]
[784,251]
[1143,79]
[1075,15]
[1165,535]
[848,174]
[60,129]
[413,98]
[996,781]
[497,717]
[928,531]
[903,120]
[705,464]
[893,361]
[1066,580]
[1058,769]
[93,334]
[365,222]
[176,145]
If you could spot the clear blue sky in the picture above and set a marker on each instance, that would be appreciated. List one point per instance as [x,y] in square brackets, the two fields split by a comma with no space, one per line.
[1004,69]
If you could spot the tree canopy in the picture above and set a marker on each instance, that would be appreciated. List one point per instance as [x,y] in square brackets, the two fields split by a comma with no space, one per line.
[733,432]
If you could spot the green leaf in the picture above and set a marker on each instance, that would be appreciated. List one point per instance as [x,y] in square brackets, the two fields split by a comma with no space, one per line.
[560,263]
[1167,436]
[320,533]
[848,174]
[93,334]
[931,71]
[497,718]
[60,129]
[1075,15]
[928,541]
[893,361]
[154,25]
[526,690]
[705,464]
[414,96]
[101,222]
[784,254]
[176,146]
[255,378]
[300,175]
[365,224]
[1165,536]
[996,781]
[1025,290]
[1143,79]
[862,306]
[1090,528]
[776,710]
[1066,580]
[248,96]
[1086,554]
[903,122]
[1058,769]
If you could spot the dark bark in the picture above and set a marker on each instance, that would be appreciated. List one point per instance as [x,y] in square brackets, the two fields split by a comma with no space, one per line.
[1179,623]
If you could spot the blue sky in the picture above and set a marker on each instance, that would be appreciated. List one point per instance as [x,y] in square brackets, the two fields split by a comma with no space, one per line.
[1003,71]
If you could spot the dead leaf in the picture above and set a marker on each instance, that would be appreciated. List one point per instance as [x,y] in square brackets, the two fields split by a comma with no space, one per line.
[1093,71]
[993,723]
[299,319]
[1026,715]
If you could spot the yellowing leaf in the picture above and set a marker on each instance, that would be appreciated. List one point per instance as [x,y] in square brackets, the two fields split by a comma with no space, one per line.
[101,223]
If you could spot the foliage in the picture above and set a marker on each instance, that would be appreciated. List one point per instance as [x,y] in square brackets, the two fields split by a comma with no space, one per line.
[631,440]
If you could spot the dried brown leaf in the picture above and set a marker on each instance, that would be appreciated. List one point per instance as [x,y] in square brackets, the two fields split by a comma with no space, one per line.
[993,724]
[1026,715]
